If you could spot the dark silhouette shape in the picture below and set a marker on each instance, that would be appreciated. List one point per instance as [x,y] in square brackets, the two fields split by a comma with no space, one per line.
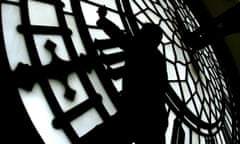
[144,85]
[112,30]
[143,115]
[221,26]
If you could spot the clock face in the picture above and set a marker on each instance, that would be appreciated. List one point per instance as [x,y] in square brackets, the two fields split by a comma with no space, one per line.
[68,70]
[194,73]
[195,77]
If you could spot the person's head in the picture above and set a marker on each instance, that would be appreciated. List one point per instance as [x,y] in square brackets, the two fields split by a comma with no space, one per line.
[152,34]
[102,11]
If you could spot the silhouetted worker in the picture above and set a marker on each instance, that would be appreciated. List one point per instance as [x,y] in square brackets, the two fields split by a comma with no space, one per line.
[144,86]
[112,30]
[144,116]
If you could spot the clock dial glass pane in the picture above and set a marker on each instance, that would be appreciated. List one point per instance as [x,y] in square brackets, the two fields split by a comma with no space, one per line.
[73,70]
[37,17]
[62,86]
[76,38]
[196,77]
[91,17]
[17,51]
[42,119]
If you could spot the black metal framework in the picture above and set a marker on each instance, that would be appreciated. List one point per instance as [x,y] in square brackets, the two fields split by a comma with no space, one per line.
[201,104]
[209,82]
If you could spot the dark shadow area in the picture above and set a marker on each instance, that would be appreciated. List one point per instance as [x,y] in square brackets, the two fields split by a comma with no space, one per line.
[111,29]
[221,26]
[144,85]
[142,117]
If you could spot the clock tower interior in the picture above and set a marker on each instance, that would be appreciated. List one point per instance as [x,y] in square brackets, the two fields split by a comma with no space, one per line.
[77,71]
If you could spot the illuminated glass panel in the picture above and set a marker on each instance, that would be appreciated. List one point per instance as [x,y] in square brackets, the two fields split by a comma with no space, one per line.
[199,85]
[48,45]
[16,51]
[42,119]
[75,71]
